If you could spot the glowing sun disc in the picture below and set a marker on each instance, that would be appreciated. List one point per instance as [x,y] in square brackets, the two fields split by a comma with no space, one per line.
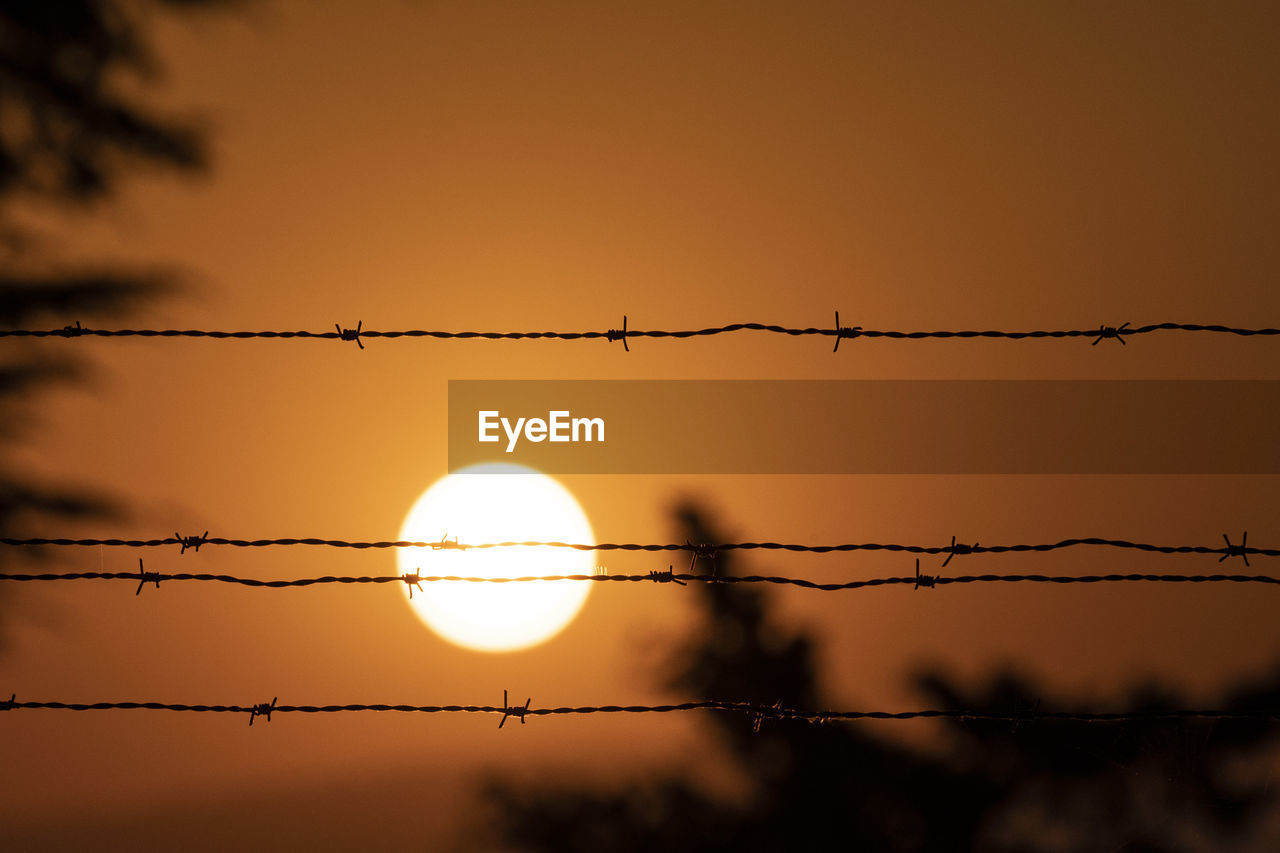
[497,503]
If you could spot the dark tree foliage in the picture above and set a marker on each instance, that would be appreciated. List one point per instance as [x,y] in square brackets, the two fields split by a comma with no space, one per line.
[1031,787]
[66,131]
[69,134]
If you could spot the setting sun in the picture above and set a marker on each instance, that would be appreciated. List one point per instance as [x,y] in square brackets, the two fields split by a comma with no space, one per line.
[497,503]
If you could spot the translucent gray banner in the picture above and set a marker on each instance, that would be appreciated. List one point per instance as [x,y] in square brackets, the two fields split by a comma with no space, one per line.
[868,426]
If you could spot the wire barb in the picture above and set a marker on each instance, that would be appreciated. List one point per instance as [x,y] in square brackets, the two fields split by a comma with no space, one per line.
[10,703]
[445,545]
[351,334]
[619,335]
[510,711]
[758,713]
[262,710]
[72,331]
[1241,550]
[925,580]
[411,580]
[668,576]
[703,550]
[145,577]
[192,542]
[844,332]
[1105,332]
[1020,719]
[953,549]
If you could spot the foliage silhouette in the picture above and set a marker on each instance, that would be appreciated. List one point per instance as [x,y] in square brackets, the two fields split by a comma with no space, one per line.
[986,786]
[68,138]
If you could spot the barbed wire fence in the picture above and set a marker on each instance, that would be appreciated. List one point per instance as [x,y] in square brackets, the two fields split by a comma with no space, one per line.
[757,712]
[359,334]
[696,550]
[705,551]
[414,580]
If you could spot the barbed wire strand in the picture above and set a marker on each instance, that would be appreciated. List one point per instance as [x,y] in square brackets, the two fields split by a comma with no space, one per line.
[413,579]
[359,334]
[700,549]
[754,710]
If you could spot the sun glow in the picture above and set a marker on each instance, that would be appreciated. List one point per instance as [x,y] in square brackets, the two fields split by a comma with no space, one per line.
[497,503]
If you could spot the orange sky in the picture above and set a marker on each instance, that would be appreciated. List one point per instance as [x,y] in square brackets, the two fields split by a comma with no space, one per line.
[554,166]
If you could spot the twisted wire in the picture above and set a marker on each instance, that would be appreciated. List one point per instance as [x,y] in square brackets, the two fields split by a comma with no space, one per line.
[754,710]
[660,577]
[839,332]
[1228,550]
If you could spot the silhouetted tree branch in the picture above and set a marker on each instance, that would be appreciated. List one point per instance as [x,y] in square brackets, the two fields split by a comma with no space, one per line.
[69,132]
[72,127]
[1035,786]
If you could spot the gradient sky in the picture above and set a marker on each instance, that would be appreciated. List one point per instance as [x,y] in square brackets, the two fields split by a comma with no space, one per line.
[554,166]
